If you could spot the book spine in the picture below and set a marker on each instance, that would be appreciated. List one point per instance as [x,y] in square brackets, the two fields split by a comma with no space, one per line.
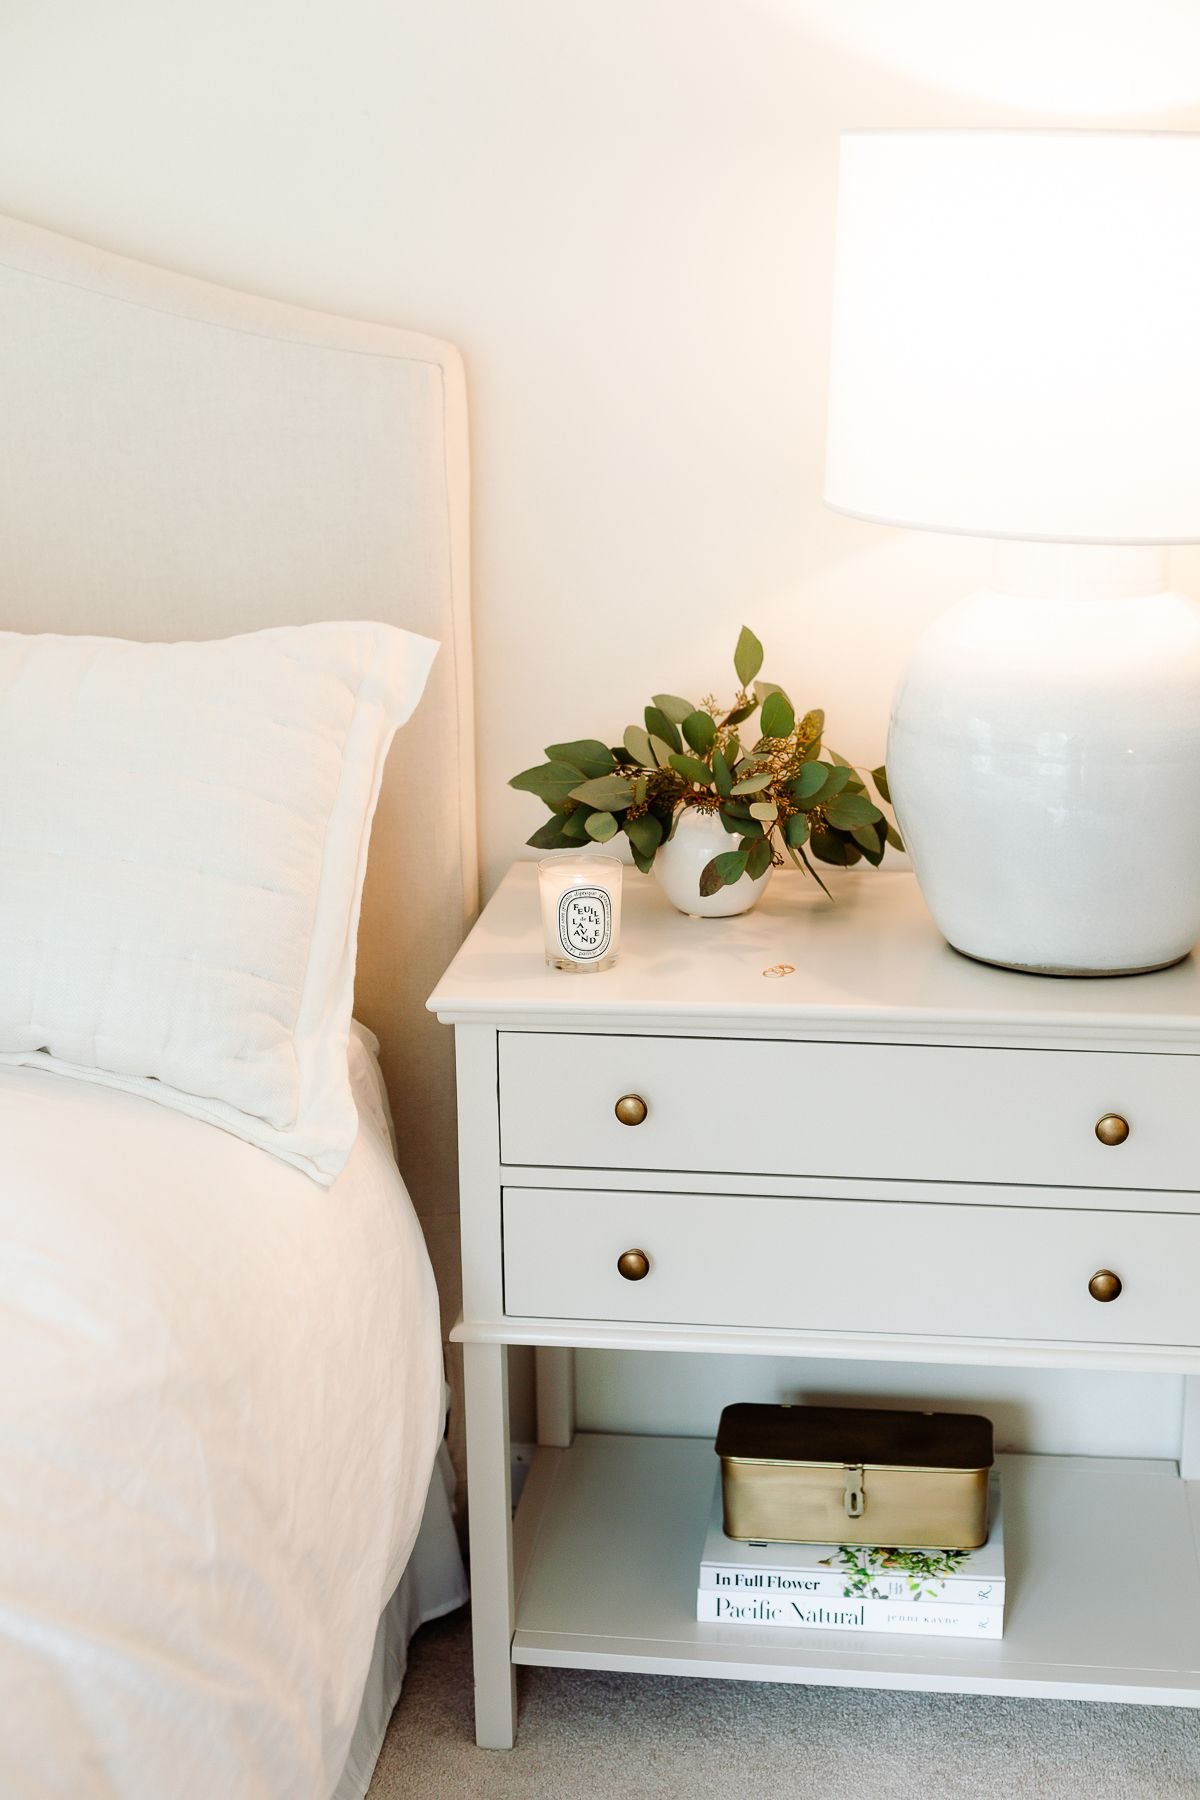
[801,1584]
[851,1615]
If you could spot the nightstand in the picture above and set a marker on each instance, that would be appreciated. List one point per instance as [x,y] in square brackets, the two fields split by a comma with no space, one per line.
[1029,1167]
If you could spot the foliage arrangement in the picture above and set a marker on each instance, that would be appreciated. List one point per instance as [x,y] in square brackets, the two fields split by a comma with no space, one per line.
[862,1567]
[777,795]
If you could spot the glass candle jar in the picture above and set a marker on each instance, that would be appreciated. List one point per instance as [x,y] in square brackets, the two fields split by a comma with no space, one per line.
[581,910]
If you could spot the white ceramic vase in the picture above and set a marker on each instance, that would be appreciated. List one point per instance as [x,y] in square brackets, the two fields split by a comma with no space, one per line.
[699,836]
[1044,761]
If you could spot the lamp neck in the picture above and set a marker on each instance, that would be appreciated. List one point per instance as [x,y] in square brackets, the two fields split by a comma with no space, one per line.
[1079,571]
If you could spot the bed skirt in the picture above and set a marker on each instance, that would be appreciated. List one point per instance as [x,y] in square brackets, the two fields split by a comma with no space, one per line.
[434,1583]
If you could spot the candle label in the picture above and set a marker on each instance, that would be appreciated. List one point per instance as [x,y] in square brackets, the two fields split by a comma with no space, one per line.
[585,922]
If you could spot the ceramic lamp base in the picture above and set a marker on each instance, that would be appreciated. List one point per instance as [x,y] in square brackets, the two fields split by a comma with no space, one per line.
[1070,974]
[1044,760]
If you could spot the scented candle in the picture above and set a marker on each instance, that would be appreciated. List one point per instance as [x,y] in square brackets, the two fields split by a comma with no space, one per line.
[581,910]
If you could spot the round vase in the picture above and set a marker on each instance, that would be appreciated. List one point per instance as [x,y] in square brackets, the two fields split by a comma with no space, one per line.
[699,836]
[1044,761]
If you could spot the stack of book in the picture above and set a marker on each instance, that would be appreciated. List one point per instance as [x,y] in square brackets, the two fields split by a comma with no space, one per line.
[850,1587]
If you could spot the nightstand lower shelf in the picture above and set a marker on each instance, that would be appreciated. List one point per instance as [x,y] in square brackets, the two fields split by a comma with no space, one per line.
[1102,1563]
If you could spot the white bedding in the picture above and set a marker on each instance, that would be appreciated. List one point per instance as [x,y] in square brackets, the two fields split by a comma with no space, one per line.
[222,1395]
[183,846]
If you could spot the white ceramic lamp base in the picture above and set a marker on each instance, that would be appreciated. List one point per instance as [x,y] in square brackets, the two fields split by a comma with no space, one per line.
[1044,761]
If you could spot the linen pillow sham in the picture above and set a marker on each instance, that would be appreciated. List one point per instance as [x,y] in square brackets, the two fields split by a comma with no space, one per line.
[183,840]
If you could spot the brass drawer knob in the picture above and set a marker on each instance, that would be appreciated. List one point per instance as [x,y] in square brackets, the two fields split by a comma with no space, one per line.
[1112,1129]
[1104,1285]
[634,1265]
[631,1109]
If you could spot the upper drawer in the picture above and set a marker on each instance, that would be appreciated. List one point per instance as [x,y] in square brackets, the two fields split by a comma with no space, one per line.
[875,1111]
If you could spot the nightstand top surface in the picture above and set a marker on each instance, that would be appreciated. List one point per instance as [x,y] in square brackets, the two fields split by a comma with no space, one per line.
[868,965]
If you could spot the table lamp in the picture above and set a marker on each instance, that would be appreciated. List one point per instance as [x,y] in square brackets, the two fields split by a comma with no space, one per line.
[1016,356]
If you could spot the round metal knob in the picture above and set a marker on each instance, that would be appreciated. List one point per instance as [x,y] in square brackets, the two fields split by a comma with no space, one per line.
[631,1109]
[634,1265]
[1112,1129]
[1104,1285]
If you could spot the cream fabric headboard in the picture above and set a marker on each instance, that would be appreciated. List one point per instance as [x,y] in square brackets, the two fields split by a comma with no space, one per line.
[181,461]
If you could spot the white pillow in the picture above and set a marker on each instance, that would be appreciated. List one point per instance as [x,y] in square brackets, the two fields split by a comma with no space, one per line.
[183,839]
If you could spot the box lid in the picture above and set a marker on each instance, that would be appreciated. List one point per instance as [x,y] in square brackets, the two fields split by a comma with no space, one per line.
[871,1436]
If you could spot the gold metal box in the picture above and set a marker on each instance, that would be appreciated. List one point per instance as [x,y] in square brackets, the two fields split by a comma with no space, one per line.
[855,1475]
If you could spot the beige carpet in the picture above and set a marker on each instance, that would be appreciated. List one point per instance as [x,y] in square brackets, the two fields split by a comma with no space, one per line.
[628,1737]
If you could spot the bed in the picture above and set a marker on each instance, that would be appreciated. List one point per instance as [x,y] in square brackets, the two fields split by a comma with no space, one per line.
[223,1481]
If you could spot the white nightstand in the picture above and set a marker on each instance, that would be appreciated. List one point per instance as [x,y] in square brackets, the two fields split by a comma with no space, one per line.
[981,1178]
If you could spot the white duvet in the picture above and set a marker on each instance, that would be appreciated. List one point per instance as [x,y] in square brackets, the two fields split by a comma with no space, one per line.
[221,1399]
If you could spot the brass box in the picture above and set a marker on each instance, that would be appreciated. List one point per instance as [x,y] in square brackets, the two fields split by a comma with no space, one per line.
[855,1475]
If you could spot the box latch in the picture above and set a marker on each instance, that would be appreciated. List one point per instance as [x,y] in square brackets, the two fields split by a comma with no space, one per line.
[853,1497]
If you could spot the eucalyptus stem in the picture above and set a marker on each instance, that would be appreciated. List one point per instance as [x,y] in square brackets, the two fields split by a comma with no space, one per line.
[783,796]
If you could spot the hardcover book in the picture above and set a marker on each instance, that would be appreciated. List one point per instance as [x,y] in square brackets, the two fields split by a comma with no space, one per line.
[825,1572]
[920,1618]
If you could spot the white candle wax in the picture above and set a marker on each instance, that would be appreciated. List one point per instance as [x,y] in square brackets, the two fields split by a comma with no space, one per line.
[581,910]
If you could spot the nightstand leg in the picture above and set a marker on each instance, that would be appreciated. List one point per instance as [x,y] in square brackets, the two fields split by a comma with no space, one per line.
[489,1502]
[1189,1435]
[555,1396]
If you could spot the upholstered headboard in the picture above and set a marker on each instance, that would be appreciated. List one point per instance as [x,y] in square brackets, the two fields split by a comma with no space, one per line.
[181,461]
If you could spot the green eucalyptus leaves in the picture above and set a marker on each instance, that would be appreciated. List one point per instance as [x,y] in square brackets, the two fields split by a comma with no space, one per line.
[776,795]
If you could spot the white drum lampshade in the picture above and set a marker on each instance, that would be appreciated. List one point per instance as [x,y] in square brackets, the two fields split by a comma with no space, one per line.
[1016,355]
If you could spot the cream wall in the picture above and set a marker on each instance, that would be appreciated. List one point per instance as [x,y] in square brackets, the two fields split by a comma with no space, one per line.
[623,214]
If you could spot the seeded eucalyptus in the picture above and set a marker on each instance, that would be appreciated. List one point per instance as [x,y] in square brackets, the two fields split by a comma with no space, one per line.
[780,795]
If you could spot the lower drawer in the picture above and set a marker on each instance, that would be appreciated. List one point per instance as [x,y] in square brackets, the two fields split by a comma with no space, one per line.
[852,1266]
